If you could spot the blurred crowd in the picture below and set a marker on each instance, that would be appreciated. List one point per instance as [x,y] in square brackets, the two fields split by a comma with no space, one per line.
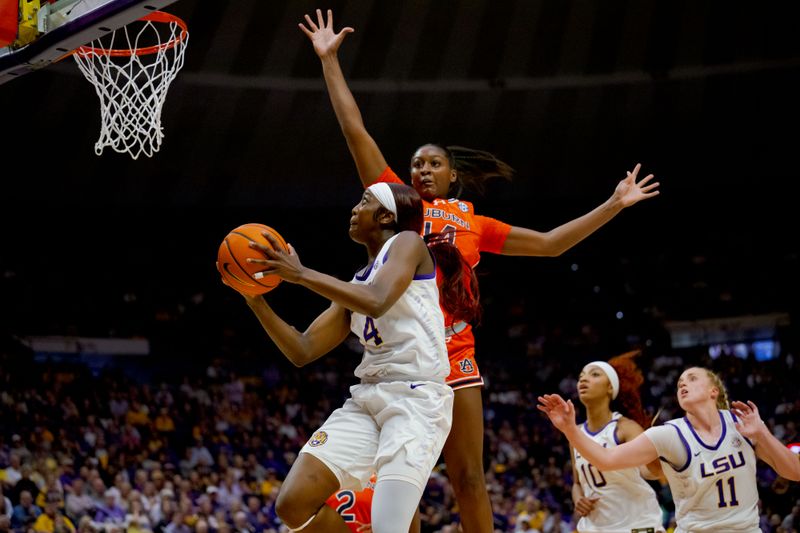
[206,449]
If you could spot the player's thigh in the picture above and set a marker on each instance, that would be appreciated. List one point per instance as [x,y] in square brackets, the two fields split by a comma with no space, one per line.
[414,425]
[464,446]
[347,444]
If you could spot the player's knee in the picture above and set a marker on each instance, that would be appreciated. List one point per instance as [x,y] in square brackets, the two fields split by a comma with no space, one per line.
[468,481]
[291,510]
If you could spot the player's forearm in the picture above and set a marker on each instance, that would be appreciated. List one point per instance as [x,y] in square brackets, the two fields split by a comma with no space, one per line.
[344,104]
[601,458]
[783,460]
[527,242]
[363,299]
[288,340]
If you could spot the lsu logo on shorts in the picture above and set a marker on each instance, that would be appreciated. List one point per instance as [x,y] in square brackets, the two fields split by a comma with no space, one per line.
[466,366]
[318,439]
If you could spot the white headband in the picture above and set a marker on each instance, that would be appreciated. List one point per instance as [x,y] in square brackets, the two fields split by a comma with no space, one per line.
[384,195]
[612,376]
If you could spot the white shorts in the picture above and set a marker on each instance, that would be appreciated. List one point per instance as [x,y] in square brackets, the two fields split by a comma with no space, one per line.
[396,428]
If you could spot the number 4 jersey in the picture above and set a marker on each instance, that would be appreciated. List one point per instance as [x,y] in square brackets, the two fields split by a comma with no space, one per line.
[625,501]
[713,484]
[406,343]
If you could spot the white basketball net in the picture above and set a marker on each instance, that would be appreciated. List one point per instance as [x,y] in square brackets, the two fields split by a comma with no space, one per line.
[131,78]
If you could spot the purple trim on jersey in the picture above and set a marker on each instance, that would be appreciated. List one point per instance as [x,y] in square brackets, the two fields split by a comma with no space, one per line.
[685,445]
[721,437]
[733,416]
[367,271]
[432,275]
[614,434]
[612,421]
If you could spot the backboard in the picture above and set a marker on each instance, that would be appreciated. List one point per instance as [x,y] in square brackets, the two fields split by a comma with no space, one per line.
[47,30]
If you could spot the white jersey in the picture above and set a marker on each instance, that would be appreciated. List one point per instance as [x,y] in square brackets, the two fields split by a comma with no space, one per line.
[407,342]
[715,487]
[626,502]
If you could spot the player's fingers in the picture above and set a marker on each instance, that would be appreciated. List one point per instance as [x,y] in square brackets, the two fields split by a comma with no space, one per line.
[645,179]
[752,406]
[311,24]
[345,30]
[320,20]
[263,273]
[329,23]
[276,246]
[305,30]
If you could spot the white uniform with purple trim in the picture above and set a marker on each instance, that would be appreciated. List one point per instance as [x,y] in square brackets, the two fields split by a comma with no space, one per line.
[399,416]
[626,502]
[713,484]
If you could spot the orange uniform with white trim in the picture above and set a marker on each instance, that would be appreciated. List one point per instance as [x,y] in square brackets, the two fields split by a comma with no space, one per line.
[355,507]
[472,234]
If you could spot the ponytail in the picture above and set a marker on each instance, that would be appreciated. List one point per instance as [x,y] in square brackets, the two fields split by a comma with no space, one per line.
[474,167]
[458,289]
[630,381]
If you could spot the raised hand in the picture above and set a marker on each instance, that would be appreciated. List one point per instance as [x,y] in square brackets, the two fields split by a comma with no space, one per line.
[325,40]
[560,413]
[628,191]
[750,424]
[285,264]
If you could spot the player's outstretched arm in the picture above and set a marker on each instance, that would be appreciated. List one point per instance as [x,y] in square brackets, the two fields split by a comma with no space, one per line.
[528,242]
[767,447]
[561,413]
[367,156]
[407,253]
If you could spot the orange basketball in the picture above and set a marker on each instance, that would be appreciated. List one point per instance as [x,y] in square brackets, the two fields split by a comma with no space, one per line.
[232,259]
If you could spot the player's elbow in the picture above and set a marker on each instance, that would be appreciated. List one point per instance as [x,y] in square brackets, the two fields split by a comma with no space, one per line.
[377,309]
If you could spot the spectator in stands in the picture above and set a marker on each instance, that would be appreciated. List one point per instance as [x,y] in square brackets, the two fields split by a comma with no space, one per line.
[78,501]
[25,512]
[199,455]
[242,524]
[792,521]
[177,524]
[19,449]
[13,472]
[52,520]
[137,520]
[109,513]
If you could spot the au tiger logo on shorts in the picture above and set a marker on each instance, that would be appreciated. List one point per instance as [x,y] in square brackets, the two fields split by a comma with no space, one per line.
[318,439]
[466,366]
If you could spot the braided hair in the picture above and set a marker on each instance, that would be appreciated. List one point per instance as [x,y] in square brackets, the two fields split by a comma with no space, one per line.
[473,168]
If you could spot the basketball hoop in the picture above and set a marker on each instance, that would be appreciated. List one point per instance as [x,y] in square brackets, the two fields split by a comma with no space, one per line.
[132,80]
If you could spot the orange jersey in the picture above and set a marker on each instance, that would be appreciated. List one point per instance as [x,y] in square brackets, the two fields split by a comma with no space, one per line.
[355,507]
[471,233]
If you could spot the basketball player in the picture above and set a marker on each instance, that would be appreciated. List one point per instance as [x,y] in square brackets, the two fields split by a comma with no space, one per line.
[620,501]
[435,170]
[708,456]
[398,417]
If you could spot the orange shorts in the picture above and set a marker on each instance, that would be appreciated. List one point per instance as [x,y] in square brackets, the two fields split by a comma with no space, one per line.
[464,370]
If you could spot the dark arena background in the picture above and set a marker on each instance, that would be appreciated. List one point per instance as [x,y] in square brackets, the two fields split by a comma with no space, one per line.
[125,362]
